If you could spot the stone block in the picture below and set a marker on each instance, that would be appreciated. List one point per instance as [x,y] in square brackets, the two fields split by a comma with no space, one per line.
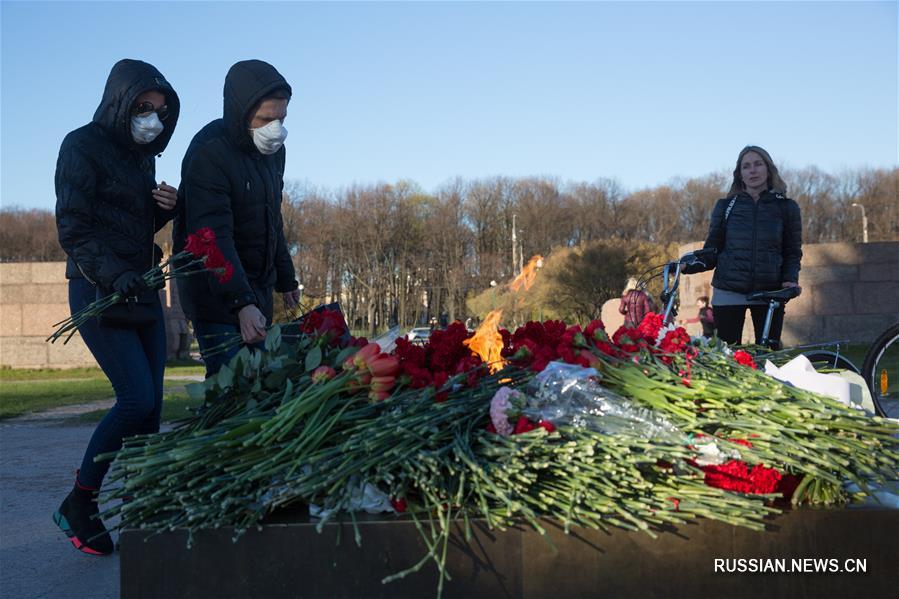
[34,294]
[71,355]
[10,320]
[879,252]
[48,272]
[611,318]
[748,335]
[876,297]
[856,328]
[38,319]
[23,352]
[825,274]
[825,254]
[885,271]
[290,559]
[833,298]
[805,303]
[693,287]
[15,273]
[805,328]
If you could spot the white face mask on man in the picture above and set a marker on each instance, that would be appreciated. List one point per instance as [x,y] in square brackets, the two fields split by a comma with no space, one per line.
[270,138]
[145,129]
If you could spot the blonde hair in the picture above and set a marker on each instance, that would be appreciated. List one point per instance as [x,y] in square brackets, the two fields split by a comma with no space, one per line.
[631,284]
[774,180]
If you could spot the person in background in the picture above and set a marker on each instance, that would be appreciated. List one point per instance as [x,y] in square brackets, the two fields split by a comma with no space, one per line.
[757,234]
[703,317]
[635,304]
[108,209]
[232,177]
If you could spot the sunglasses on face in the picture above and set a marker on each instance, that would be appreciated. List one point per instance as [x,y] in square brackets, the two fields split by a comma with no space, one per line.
[146,108]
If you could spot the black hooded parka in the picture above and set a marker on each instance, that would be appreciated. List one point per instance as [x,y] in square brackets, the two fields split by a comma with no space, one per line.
[232,188]
[106,216]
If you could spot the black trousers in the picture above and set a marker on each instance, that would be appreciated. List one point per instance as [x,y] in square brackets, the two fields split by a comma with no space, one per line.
[729,322]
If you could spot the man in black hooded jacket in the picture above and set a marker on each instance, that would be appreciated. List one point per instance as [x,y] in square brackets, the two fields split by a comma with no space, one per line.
[108,208]
[231,182]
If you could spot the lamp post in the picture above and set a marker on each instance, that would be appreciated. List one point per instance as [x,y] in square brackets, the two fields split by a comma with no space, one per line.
[493,289]
[864,222]
[300,288]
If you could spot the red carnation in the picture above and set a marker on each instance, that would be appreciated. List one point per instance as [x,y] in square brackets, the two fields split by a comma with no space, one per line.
[627,339]
[675,341]
[650,326]
[398,504]
[596,331]
[226,274]
[744,359]
[523,426]
[198,243]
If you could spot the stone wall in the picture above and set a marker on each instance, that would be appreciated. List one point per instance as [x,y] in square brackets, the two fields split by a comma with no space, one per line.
[849,291]
[33,297]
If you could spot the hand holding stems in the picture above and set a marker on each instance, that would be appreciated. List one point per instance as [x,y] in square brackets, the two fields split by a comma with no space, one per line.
[291,299]
[252,324]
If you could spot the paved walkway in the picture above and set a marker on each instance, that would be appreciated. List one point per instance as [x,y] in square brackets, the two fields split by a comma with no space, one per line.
[39,453]
[37,464]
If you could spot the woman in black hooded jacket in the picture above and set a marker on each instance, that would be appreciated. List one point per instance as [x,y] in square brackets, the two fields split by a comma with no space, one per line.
[757,234]
[108,209]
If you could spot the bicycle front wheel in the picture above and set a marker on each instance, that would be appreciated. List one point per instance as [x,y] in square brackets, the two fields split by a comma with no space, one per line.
[830,360]
[881,372]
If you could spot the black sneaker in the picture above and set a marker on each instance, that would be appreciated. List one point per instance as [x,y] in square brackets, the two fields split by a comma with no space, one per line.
[77,518]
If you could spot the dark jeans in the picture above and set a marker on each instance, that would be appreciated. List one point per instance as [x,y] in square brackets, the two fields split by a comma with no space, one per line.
[729,322]
[211,334]
[134,362]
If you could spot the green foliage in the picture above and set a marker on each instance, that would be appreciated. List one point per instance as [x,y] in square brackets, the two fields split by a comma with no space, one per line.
[22,397]
[574,283]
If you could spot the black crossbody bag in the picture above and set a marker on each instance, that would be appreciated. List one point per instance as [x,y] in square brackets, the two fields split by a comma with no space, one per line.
[135,312]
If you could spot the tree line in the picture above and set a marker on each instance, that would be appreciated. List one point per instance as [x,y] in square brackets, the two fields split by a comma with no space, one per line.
[395,254]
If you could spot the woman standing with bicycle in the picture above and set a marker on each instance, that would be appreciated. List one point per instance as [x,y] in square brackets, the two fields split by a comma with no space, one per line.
[757,234]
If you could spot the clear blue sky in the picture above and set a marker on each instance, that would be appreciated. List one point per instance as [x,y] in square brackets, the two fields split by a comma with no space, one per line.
[641,92]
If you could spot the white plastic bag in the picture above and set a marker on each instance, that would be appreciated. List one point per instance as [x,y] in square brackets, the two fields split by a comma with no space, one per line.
[800,373]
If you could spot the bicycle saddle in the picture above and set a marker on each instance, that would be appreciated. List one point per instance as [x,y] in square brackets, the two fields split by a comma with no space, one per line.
[781,295]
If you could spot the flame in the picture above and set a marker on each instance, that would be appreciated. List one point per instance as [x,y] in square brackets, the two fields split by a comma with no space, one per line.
[527,275]
[487,342]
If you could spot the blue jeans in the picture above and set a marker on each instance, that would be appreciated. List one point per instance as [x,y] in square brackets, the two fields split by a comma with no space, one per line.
[211,334]
[134,362]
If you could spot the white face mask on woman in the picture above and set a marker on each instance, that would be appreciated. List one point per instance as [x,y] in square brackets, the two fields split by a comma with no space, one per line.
[145,129]
[270,138]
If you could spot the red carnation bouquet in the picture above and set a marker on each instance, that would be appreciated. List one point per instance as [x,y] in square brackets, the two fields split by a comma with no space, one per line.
[200,254]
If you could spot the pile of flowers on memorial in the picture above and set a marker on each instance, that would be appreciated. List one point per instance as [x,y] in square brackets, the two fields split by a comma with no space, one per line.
[639,429]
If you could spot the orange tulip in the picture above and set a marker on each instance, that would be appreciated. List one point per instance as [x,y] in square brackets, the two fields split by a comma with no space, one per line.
[378,395]
[382,383]
[323,374]
[360,359]
[384,365]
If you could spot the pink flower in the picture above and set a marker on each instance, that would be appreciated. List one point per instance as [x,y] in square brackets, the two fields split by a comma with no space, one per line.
[499,408]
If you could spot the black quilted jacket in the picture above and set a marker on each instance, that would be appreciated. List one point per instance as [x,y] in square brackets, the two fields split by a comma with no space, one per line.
[229,186]
[105,213]
[759,244]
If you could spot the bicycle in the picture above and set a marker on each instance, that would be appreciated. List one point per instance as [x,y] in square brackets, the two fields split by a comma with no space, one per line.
[821,358]
[881,358]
